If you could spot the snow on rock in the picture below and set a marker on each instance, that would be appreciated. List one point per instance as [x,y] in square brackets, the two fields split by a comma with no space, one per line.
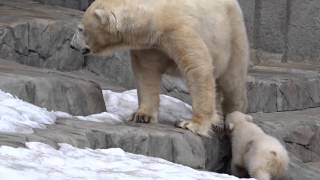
[40,161]
[102,117]
[19,116]
[125,103]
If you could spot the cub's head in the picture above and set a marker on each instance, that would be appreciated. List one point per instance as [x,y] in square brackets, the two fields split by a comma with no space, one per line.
[99,30]
[234,118]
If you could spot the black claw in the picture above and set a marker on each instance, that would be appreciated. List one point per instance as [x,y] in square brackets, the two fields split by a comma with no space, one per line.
[218,129]
[139,119]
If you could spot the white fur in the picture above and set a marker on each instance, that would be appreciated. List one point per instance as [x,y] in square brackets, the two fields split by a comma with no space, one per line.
[205,40]
[254,152]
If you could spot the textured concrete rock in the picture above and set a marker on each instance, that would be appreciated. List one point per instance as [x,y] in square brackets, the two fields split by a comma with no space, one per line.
[283,31]
[283,89]
[269,89]
[75,4]
[38,35]
[272,25]
[248,9]
[176,145]
[304,26]
[51,89]
[117,68]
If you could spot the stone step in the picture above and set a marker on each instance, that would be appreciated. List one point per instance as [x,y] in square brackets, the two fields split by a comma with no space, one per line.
[51,89]
[173,144]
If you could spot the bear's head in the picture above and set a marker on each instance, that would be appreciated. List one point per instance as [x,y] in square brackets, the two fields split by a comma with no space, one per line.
[112,25]
[235,118]
[99,30]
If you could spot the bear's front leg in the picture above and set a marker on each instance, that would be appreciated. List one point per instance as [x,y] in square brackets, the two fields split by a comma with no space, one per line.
[192,57]
[147,65]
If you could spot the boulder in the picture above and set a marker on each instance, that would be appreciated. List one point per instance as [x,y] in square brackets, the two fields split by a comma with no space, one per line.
[51,89]
[38,35]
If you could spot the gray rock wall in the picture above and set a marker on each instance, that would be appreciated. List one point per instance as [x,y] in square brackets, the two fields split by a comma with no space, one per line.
[75,4]
[284,32]
[38,35]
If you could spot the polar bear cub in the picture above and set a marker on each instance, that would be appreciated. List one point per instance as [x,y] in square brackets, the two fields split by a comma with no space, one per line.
[253,151]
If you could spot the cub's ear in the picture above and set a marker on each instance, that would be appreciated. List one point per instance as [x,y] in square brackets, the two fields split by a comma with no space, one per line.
[249,118]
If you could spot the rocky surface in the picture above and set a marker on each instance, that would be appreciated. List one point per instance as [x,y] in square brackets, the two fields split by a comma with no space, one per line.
[38,35]
[176,145]
[51,89]
[117,68]
[283,31]
[298,130]
[270,89]
[74,4]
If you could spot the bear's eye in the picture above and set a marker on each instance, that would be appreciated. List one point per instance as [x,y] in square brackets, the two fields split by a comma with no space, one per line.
[80,28]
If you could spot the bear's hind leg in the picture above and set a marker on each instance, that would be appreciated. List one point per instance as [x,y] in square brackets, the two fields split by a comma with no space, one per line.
[192,57]
[233,83]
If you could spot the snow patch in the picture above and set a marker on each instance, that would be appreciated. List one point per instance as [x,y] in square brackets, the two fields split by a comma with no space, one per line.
[19,116]
[126,103]
[41,161]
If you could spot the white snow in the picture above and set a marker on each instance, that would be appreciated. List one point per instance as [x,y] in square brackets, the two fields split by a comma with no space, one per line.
[40,161]
[19,116]
[125,103]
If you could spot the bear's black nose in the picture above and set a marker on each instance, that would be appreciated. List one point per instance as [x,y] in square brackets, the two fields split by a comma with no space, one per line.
[72,47]
[85,51]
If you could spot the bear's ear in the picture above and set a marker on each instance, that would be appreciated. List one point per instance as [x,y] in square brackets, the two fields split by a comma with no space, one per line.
[108,18]
[105,17]
[101,15]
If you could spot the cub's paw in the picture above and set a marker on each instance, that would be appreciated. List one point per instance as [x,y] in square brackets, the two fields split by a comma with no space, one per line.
[141,118]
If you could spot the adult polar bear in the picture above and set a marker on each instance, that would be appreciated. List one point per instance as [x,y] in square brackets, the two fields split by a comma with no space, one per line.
[204,40]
